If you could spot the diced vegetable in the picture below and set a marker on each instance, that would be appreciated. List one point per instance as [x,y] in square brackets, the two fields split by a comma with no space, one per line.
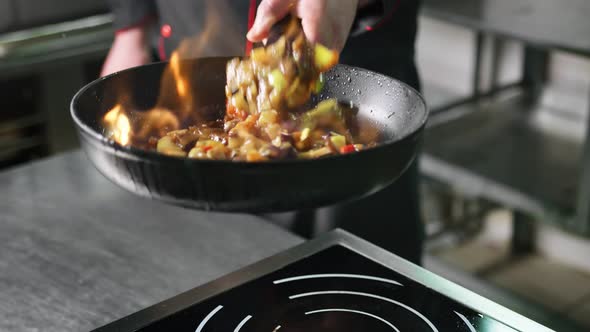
[277,80]
[305,134]
[347,149]
[207,145]
[296,94]
[312,154]
[267,117]
[338,141]
[264,116]
[277,49]
[285,72]
[255,156]
[167,146]
[324,108]
[196,153]
[208,149]
[239,102]
[259,54]
[324,58]
[319,84]
[217,153]
[273,131]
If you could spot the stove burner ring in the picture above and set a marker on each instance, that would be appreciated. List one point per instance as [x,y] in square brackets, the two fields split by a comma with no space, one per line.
[341,292]
[466,321]
[208,317]
[415,312]
[335,285]
[242,323]
[354,312]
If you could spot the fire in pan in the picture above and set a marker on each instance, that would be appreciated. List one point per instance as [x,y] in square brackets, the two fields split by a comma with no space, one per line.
[122,118]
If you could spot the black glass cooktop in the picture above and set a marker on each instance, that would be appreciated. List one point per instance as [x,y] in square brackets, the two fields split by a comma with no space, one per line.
[331,288]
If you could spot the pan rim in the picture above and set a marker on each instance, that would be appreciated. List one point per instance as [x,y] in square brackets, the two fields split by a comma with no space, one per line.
[151,155]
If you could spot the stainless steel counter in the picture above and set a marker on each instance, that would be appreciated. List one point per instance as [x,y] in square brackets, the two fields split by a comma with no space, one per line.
[558,191]
[552,24]
[77,252]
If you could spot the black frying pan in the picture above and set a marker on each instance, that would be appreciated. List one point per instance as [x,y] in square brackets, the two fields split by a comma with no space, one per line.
[398,110]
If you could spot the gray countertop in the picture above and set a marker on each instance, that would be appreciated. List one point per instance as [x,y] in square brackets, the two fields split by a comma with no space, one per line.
[562,24]
[77,252]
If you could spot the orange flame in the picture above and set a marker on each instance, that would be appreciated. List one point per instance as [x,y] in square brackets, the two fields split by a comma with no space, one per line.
[119,125]
[176,98]
[181,83]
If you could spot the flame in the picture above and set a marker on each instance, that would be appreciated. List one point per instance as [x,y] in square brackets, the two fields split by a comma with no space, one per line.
[176,100]
[179,73]
[181,83]
[119,125]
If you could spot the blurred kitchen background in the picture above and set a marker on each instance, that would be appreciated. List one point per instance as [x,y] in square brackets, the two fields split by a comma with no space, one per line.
[506,171]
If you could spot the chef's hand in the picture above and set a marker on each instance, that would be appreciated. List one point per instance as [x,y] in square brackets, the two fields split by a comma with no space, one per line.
[324,21]
[129,49]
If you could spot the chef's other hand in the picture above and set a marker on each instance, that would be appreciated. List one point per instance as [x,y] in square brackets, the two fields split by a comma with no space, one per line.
[324,21]
[129,49]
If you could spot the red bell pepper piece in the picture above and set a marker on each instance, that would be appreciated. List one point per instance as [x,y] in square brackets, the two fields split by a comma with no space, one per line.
[347,149]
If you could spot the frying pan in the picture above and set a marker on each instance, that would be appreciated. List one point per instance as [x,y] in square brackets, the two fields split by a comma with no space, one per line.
[398,111]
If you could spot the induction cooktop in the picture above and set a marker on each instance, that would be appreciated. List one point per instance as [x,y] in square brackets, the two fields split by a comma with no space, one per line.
[335,283]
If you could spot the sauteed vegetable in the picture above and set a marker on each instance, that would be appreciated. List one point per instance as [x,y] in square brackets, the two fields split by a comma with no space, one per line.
[267,114]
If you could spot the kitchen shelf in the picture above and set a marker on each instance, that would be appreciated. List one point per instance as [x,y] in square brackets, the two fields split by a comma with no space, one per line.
[438,96]
[495,149]
[86,38]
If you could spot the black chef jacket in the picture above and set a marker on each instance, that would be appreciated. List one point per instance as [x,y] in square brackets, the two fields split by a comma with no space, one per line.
[382,40]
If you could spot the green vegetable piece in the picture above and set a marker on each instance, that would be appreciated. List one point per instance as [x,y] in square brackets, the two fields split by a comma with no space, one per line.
[323,108]
[277,80]
[319,84]
[339,141]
